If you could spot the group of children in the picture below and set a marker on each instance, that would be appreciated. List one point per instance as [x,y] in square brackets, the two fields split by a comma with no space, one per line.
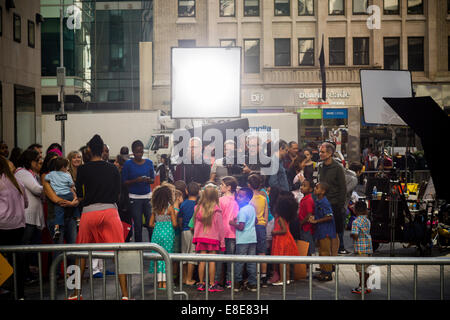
[245,221]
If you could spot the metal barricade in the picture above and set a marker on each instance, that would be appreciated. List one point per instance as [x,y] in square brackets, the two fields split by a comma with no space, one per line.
[92,251]
[310,260]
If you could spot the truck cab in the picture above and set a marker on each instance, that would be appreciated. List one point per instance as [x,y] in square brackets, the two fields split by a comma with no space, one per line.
[158,144]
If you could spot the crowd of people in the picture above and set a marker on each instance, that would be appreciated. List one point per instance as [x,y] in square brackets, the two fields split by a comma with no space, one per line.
[220,206]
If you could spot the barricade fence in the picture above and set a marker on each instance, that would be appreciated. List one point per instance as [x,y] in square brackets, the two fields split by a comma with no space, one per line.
[129,259]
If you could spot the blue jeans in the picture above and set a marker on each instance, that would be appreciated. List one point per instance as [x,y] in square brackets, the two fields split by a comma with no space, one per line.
[308,237]
[59,211]
[68,232]
[246,249]
[138,208]
[230,248]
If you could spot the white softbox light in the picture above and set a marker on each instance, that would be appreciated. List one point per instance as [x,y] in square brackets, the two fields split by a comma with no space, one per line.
[206,82]
[379,84]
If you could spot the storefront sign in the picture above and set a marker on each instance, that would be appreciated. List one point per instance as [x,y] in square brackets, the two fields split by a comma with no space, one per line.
[335,113]
[341,94]
[310,113]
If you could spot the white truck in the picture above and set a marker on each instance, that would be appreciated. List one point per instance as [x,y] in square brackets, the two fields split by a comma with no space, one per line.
[263,123]
[122,128]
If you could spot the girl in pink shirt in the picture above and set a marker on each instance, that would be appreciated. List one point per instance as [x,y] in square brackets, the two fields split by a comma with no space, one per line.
[230,209]
[208,233]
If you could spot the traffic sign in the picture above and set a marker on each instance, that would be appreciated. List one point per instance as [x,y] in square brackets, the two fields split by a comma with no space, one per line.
[61,117]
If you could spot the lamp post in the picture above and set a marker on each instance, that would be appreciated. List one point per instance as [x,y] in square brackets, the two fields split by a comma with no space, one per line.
[61,74]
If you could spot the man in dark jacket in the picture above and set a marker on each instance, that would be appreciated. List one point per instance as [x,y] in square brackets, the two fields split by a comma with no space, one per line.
[332,172]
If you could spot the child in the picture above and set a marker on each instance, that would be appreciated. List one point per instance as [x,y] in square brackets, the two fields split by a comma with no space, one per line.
[184,216]
[178,196]
[305,211]
[163,220]
[283,244]
[362,241]
[259,201]
[62,183]
[208,233]
[230,209]
[325,230]
[245,238]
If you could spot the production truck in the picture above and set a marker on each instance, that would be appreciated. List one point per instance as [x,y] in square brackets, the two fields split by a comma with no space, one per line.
[119,129]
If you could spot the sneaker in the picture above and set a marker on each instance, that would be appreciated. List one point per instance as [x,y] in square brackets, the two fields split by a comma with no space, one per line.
[98,275]
[75,297]
[215,288]
[110,273]
[252,287]
[278,283]
[239,287]
[343,252]
[56,235]
[324,277]
[264,283]
[357,290]
[228,285]
[201,287]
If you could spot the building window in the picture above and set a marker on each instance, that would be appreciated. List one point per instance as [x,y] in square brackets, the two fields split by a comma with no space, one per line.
[336,7]
[228,42]
[391,7]
[415,6]
[360,6]
[17,28]
[448,8]
[24,116]
[31,34]
[282,52]
[227,8]
[251,8]
[415,54]
[186,43]
[337,51]
[306,52]
[448,53]
[282,7]
[392,53]
[251,56]
[1,21]
[360,51]
[305,7]
[186,8]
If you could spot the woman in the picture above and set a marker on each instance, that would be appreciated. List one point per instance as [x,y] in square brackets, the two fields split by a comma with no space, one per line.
[295,174]
[75,160]
[13,202]
[27,174]
[310,165]
[98,187]
[137,175]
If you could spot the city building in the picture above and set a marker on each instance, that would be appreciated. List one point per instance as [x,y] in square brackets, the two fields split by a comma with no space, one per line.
[281,42]
[117,56]
[20,72]
[101,53]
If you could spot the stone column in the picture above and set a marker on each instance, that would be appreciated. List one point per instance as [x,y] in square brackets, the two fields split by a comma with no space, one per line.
[354,134]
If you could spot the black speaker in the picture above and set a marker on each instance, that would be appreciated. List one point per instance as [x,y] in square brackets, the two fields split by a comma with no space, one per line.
[9,4]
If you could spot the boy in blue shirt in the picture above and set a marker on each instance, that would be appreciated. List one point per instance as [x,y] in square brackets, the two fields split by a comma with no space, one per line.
[325,230]
[184,216]
[62,183]
[245,238]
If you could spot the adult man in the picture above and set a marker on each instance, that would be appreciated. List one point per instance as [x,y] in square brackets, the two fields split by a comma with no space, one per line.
[332,172]
[195,170]
[292,154]
[279,179]
[226,166]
